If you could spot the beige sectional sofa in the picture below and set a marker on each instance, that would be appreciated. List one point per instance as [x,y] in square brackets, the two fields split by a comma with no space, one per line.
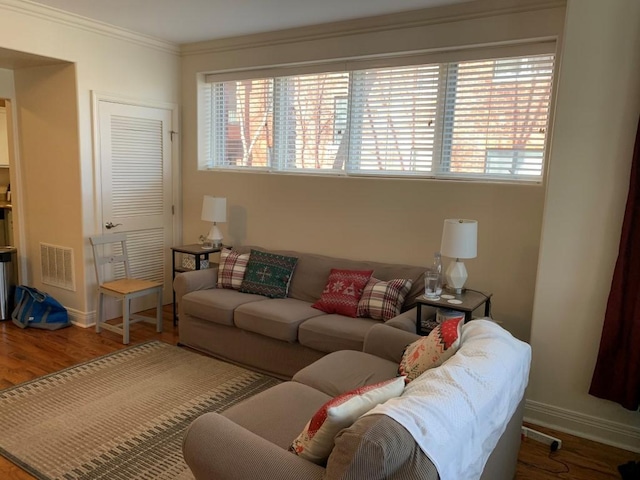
[484,382]
[283,335]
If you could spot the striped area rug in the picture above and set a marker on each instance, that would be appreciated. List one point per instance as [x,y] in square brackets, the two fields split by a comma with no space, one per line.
[121,416]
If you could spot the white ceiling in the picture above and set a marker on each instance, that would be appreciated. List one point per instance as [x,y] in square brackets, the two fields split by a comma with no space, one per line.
[185,21]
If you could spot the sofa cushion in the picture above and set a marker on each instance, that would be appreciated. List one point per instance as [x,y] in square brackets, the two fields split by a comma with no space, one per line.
[279,413]
[276,318]
[431,351]
[216,304]
[316,440]
[268,274]
[383,300]
[376,446]
[341,371]
[231,269]
[342,291]
[330,333]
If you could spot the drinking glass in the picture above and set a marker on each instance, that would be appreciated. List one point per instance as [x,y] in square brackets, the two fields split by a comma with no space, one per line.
[431,281]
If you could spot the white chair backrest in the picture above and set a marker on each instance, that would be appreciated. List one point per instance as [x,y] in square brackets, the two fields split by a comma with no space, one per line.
[104,247]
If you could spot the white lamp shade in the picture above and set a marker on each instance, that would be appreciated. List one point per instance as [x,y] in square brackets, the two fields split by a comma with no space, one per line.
[459,238]
[214,209]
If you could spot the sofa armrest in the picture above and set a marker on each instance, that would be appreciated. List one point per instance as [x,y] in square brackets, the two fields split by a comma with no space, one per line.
[213,446]
[407,320]
[195,280]
[388,342]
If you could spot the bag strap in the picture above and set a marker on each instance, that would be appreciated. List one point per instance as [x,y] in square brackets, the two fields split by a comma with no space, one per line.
[36,294]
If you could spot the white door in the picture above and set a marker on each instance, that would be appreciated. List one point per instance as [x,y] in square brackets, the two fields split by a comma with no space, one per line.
[136,181]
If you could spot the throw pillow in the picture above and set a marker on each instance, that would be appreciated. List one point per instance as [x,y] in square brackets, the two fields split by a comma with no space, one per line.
[316,440]
[342,292]
[231,269]
[383,300]
[431,351]
[268,274]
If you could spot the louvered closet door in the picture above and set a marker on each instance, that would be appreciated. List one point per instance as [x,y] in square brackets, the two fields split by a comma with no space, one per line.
[135,148]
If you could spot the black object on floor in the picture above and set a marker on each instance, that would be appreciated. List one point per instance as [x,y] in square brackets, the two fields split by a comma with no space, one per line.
[630,471]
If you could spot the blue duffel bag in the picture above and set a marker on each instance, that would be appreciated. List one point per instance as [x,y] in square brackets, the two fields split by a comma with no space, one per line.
[38,309]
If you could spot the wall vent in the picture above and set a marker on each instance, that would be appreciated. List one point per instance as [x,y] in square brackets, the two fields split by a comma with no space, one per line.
[57,266]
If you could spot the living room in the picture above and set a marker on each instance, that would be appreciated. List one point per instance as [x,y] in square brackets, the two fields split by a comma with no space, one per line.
[546,251]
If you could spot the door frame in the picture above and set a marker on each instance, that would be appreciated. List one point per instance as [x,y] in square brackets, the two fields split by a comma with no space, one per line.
[176,179]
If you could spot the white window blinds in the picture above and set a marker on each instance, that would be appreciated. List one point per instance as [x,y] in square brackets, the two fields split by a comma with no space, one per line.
[470,119]
[496,115]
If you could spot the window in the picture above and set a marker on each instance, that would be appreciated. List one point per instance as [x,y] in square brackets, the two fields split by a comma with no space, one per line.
[484,119]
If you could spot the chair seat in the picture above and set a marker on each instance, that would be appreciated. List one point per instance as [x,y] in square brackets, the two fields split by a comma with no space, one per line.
[126,286]
[125,289]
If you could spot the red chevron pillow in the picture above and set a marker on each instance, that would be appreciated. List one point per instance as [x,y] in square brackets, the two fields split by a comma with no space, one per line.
[317,439]
[431,351]
[343,291]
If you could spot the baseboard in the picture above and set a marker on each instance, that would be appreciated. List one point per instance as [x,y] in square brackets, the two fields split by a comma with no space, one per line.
[597,429]
[82,319]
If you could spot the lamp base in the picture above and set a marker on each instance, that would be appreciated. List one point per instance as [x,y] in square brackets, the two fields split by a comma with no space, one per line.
[215,236]
[457,291]
[456,276]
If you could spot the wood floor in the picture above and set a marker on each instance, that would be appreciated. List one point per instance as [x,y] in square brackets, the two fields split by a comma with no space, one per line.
[30,353]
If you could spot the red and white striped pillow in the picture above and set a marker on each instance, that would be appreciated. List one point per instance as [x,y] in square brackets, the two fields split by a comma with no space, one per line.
[383,300]
[231,269]
[317,439]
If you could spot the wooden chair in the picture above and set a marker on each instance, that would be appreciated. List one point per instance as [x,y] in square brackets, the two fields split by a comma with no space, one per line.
[123,289]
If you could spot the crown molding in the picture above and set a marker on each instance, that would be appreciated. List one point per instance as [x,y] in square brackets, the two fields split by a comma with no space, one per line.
[67,19]
[390,22]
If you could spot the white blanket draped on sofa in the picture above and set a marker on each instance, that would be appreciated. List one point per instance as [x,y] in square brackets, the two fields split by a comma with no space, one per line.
[471,398]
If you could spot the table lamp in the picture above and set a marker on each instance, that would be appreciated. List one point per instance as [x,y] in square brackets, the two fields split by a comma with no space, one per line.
[459,240]
[214,209]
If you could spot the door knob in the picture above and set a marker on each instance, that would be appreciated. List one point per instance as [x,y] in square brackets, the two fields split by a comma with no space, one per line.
[110,225]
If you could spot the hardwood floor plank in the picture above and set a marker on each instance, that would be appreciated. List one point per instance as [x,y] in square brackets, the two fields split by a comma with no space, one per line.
[30,353]
[578,459]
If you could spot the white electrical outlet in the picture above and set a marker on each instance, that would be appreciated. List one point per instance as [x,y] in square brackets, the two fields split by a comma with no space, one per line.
[542,437]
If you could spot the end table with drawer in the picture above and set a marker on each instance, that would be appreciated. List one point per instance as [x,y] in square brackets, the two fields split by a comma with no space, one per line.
[466,302]
[199,253]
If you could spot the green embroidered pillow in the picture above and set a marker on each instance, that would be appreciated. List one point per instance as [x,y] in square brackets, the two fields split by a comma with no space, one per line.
[268,274]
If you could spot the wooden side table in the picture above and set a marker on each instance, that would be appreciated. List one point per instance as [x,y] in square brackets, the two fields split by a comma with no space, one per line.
[470,300]
[199,253]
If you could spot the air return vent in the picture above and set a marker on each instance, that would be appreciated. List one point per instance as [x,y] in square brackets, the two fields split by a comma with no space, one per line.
[57,266]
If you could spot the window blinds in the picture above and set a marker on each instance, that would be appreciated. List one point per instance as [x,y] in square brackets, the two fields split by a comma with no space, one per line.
[479,118]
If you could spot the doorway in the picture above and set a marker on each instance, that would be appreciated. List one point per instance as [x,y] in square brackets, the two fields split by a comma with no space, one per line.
[6,217]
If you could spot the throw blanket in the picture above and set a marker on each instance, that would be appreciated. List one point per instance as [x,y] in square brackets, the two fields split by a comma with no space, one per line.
[458,411]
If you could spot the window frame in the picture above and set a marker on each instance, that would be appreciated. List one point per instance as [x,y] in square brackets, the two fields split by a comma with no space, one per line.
[439,168]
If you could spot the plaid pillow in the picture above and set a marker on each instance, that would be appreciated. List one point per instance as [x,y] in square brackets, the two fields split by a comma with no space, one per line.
[232,268]
[383,300]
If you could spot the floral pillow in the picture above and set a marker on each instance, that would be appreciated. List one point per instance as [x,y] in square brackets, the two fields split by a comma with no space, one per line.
[431,351]
[317,439]
[383,300]
[343,291]
[232,268]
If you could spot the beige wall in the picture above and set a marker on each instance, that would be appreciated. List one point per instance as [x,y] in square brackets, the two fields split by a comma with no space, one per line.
[107,61]
[49,146]
[385,220]
[378,219]
[598,106]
